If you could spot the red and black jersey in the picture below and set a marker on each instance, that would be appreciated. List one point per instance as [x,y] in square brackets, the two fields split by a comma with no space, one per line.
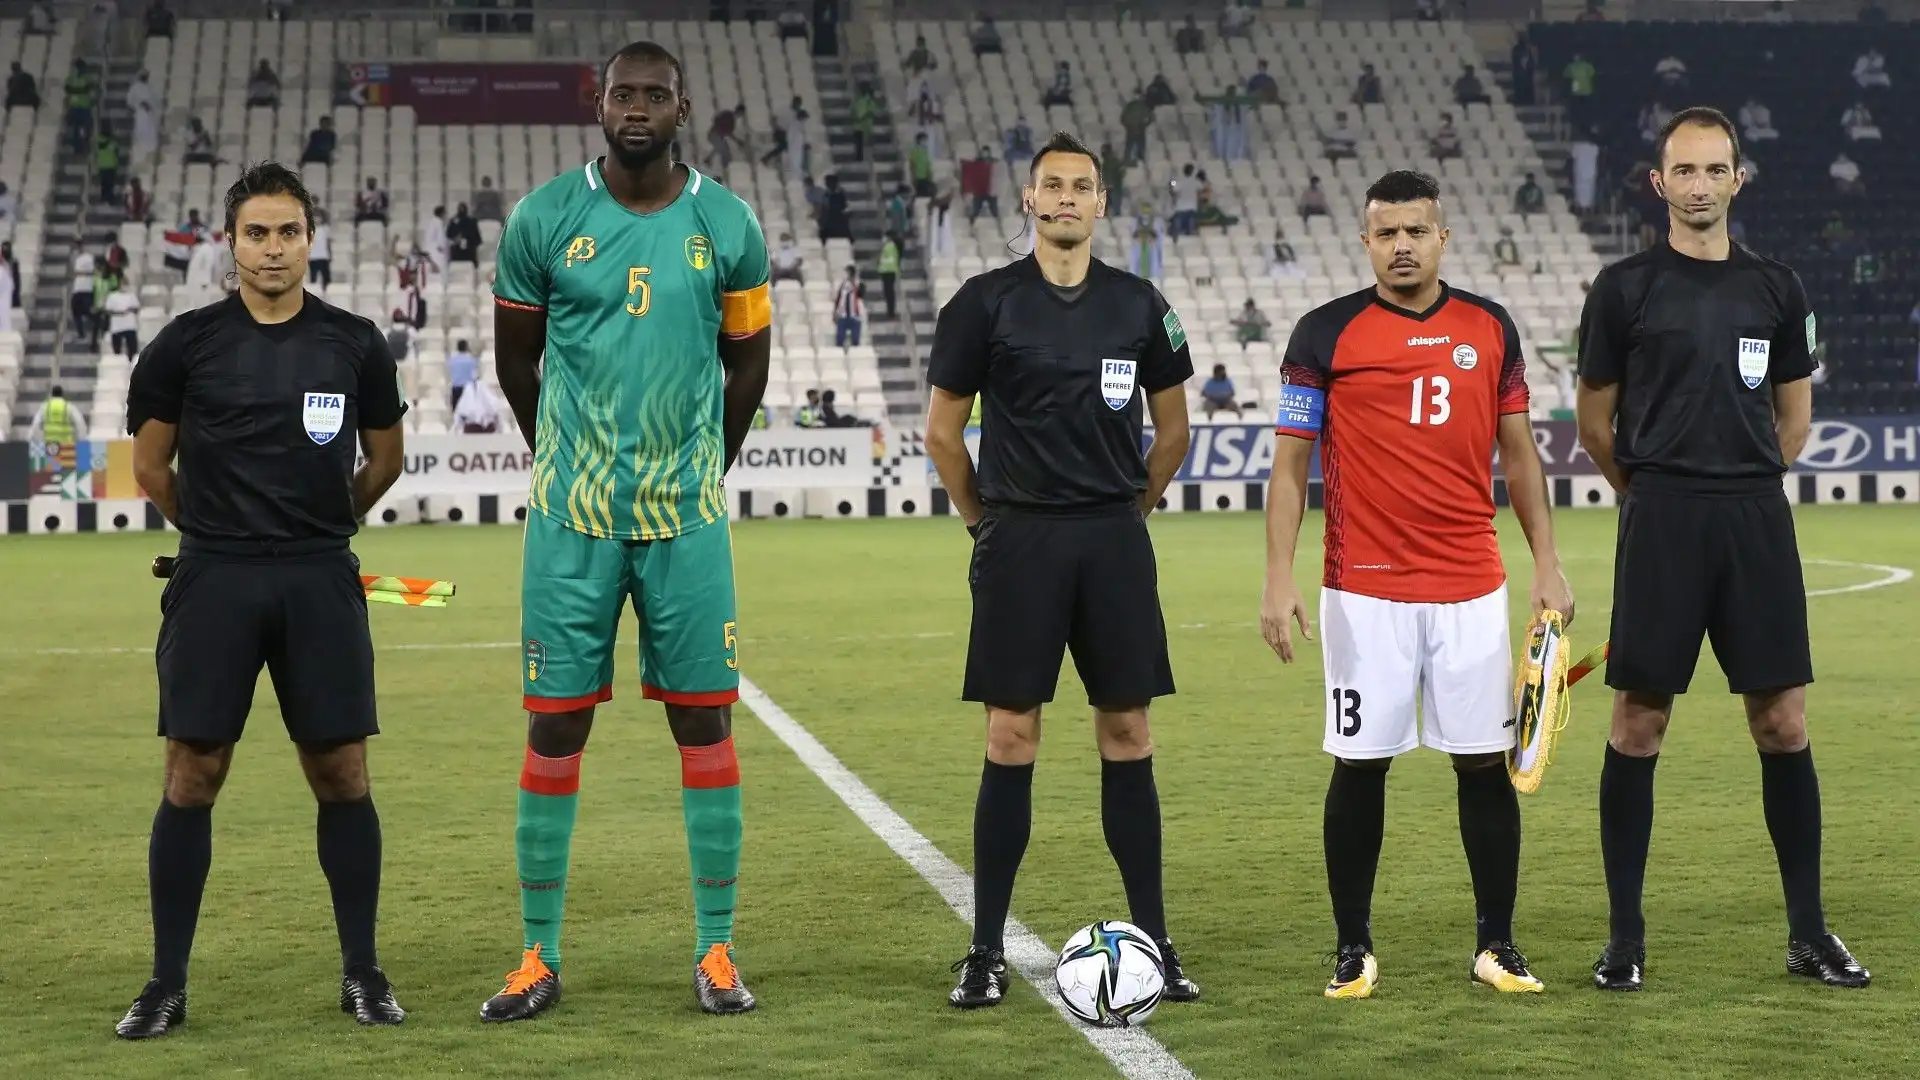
[1406,405]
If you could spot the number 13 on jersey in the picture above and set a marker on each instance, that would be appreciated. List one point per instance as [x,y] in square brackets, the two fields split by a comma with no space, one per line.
[1430,405]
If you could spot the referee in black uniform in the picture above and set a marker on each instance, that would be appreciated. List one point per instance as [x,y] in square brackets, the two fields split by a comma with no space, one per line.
[1064,348]
[1694,398]
[263,397]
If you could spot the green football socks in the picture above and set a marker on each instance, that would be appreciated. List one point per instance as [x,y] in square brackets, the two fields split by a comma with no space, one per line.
[710,801]
[542,840]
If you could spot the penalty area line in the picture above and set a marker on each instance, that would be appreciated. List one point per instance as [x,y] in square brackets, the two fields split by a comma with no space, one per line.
[1134,1053]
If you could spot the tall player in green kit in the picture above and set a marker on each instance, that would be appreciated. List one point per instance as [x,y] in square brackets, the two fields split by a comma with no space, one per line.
[645,285]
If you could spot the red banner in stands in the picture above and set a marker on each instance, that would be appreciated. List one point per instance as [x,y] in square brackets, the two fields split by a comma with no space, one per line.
[474,93]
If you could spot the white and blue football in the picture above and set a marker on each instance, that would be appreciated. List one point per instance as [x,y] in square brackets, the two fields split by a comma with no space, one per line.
[1109,974]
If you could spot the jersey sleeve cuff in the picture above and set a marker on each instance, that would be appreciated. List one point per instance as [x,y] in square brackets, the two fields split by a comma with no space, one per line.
[746,313]
[1298,433]
[517,305]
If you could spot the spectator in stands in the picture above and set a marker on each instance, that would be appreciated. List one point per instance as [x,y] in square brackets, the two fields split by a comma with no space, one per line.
[320,143]
[797,165]
[1756,122]
[22,91]
[9,205]
[849,309]
[11,300]
[1580,75]
[985,37]
[920,59]
[926,114]
[938,234]
[1217,393]
[181,242]
[1250,325]
[320,251]
[1061,92]
[1018,144]
[1113,172]
[1227,121]
[1523,61]
[786,263]
[1184,192]
[106,163]
[1340,140]
[977,184]
[866,109]
[487,203]
[920,166]
[211,265]
[1468,90]
[1652,119]
[1444,143]
[159,20]
[1313,201]
[476,412]
[888,268]
[463,370]
[1528,198]
[1236,20]
[1670,75]
[720,139]
[370,203]
[777,148]
[831,416]
[835,223]
[400,343]
[1583,162]
[433,241]
[82,90]
[1261,86]
[9,283]
[1209,212]
[1189,39]
[1136,116]
[57,421]
[123,319]
[1282,262]
[263,86]
[808,414]
[1870,71]
[140,91]
[1846,175]
[815,197]
[1858,123]
[146,137]
[1159,92]
[1367,89]
[80,300]
[414,270]
[463,236]
[1506,251]
[39,18]
[199,146]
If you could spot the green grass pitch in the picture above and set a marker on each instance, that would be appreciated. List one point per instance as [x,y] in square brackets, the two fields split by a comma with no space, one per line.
[857,630]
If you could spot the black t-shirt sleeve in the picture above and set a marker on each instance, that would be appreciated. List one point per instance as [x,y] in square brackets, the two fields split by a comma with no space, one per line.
[379,396]
[1604,333]
[158,386]
[1168,361]
[961,340]
[1794,342]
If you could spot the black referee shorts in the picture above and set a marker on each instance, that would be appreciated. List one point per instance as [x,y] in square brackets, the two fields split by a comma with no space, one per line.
[303,618]
[1720,562]
[1043,584]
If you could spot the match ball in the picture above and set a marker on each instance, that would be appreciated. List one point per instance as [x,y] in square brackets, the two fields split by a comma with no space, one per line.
[1109,974]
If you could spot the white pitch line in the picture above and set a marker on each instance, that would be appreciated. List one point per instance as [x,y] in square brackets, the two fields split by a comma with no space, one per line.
[1890,575]
[1136,1054]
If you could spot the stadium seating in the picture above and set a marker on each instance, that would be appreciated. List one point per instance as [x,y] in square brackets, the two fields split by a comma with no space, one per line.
[202,72]
[1803,73]
[29,144]
[1316,64]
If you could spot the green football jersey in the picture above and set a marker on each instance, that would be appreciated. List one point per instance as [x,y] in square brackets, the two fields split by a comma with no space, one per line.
[629,439]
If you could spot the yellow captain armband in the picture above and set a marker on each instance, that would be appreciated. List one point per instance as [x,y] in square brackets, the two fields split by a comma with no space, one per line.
[744,314]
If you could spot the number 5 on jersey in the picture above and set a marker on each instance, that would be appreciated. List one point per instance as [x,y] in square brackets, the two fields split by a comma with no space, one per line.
[1430,405]
[637,286]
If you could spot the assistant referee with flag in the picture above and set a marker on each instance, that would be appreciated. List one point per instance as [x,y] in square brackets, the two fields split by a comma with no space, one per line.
[1061,349]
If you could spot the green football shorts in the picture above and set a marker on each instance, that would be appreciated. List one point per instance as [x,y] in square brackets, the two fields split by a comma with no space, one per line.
[572,589]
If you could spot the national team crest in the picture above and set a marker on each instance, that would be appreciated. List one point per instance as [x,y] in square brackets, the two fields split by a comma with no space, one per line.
[536,659]
[1753,360]
[579,249]
[699,252]
[323,415]
[1116,382]
[1465,357]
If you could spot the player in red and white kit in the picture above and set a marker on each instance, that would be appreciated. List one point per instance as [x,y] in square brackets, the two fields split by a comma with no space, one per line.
[1409,386]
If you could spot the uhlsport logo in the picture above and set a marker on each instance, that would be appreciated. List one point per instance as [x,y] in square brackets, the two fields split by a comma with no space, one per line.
[1444,339]
[579,249]
[1834,444]
[536,659]
[699,252]
[323,415]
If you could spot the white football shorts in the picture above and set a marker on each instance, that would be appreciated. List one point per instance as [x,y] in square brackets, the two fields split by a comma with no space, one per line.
[1400,675]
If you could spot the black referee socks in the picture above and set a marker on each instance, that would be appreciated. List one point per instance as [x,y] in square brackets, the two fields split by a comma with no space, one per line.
[1626,830]
[1490,832]
[1002,823]
[349,840]
[1790,791]
[179,853]
[1130,816]
[1354,824]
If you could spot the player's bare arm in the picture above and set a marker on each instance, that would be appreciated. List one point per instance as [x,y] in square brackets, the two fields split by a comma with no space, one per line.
[1168,409]
[153,447]
[1280,602]
[1527,493]
[519,337]
[385,448]
[746,361]
[1594,404]
[947,416]
[1792,417]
